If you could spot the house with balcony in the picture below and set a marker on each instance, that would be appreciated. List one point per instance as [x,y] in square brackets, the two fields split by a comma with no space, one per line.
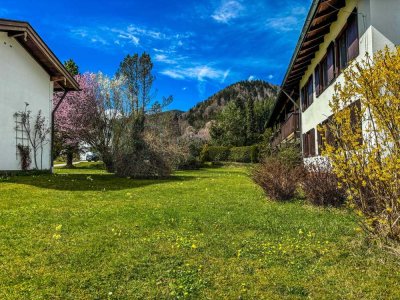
[30,74]
[335,33]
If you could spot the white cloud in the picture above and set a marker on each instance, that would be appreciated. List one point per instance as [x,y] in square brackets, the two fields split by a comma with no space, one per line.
[184,88]
[270,76]
[286,23]
[129,34]
[164,59]
[251,78]
[228,10]
[200,73]
[173,74]
[133,29]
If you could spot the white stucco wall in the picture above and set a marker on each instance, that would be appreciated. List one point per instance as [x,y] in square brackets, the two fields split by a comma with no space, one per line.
[22,80]
[378,26]
[385,21]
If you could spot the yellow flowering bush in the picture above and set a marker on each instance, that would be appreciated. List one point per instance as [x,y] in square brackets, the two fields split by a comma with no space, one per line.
[362,140]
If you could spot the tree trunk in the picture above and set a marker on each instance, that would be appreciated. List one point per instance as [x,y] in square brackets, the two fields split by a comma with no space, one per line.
[70,158]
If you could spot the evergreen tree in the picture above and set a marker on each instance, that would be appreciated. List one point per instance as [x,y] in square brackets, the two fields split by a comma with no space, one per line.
[251,130]
[71,67]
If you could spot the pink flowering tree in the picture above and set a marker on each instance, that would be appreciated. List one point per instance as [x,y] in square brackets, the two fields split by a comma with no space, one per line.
[91,116]
[72,115]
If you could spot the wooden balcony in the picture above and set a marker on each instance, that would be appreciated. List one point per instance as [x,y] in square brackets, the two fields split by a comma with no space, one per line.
[287,130]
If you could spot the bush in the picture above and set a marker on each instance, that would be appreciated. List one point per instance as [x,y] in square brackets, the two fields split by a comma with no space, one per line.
[192,148]
[320,185]
[144,163]
[290,153]
[214,153]
[278,179]
[246,154]
[362,140]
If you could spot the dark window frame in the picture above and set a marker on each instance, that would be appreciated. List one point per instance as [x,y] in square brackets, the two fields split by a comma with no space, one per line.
[307,94]
[339,63]
[309,143]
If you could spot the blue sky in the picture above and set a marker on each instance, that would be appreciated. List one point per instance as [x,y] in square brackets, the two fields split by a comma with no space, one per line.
[198,47]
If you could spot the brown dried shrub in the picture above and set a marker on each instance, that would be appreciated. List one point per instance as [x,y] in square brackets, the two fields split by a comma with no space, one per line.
[277,178]
[320,185]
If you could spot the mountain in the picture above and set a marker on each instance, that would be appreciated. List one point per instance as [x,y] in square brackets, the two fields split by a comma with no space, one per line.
[208,110]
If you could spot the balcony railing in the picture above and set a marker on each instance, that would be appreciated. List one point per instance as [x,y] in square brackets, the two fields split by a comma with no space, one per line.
[289,127]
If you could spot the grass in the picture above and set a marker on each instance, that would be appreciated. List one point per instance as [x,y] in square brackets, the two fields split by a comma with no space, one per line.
[206,234]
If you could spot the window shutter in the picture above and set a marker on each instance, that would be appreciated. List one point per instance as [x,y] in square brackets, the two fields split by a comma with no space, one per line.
[330,64]
[324,74]
[352,38]
[320,130]
[312,142]
[303,99]
[317,81]
[305,145]
[310,91]
[342,51]
[330,140]
[356,123]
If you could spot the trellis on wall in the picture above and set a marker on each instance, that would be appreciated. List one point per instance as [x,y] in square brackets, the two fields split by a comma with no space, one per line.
[21,137]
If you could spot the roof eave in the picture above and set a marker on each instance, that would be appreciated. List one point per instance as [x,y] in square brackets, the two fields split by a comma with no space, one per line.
[24,27]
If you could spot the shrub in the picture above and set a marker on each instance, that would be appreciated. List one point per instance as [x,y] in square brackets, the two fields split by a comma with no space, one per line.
[25,156]
[290,153]
[143,163]
[362,140]
[214,153]
[192,147]
[278,179]
[246,154]
[320,184]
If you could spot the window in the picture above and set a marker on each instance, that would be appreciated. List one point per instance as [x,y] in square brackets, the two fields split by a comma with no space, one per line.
[309,143]
[325,70]
[347,43]
[330,66]
[352,38]
[356,120]
[325,135]
[317,81]
[307,94]
[338,55]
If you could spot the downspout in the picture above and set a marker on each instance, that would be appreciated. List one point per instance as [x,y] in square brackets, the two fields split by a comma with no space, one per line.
[52,127]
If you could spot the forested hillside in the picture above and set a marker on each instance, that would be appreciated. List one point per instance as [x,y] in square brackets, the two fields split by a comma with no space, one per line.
[259,91]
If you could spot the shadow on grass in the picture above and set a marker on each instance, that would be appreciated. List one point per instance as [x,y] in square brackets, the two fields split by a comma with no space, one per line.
[90,182]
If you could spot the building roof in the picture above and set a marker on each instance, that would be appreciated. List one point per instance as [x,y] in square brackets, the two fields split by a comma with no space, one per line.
[319,19]
[37,48]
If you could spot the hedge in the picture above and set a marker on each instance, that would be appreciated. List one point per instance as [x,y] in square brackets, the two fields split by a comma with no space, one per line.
[246,154]
[214,153]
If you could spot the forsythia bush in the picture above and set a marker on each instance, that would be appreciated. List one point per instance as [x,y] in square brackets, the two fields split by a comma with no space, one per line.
[367,161]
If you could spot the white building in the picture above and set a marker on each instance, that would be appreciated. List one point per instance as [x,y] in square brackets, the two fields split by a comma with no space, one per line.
[29,73]
[335,33]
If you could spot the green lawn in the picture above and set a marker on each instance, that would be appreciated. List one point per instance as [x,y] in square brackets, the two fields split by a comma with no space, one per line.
[207,234]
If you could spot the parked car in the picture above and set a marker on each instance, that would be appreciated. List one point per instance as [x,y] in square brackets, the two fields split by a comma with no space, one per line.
[92,156]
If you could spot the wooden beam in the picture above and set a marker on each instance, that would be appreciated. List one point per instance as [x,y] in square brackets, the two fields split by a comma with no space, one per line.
[294,78]
[320,30]
[314,41]
[58,79]
[308,50]
[303,58]
[19,33]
